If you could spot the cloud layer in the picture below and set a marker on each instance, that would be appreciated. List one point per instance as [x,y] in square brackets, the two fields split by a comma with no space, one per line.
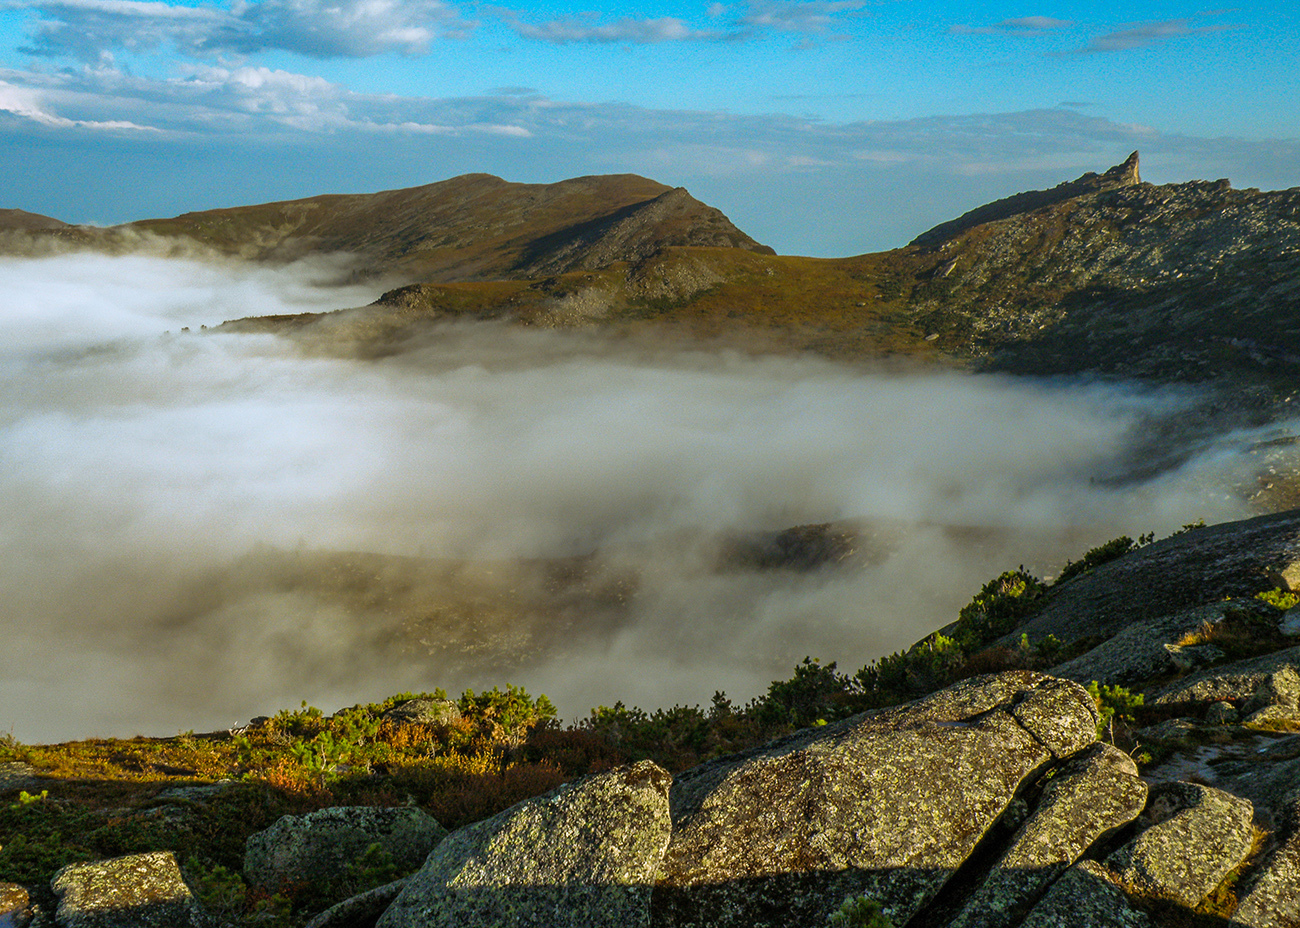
[152,484]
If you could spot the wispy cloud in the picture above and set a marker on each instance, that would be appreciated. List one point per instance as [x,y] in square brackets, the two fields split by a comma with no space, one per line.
[798,15]
[25,104]
[1025,26]
[1145,35]
[589,28]
[92,29]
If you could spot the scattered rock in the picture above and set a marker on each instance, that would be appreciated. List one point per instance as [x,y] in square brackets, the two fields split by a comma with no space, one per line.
[1289,624]
[582,856]
[1146,649]
[1270,898]
[1185,572]
[1170,731]
[1199,835]
[323,845]
[1221,713]
[138,891]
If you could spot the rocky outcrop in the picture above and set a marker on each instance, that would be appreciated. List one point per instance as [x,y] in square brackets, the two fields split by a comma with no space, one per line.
[1089,798]
[1121,175]
[322,846]
[139,891]
[1195,569]
[888,805]
[583,856]
[1197,835]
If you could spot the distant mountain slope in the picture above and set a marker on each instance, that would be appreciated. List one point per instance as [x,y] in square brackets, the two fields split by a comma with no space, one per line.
[474,227]
[22,221]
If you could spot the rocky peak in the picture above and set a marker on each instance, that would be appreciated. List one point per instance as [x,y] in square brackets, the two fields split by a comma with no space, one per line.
[1124,174]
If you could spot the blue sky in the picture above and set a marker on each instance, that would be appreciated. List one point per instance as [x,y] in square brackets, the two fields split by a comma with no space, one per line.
[825,127]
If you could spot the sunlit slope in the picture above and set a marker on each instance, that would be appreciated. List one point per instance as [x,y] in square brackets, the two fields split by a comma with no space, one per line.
[473,227]
[843,308]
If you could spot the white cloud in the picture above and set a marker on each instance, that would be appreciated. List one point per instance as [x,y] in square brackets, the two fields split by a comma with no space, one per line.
[588,28]
[798,15]
[25,103]
[92,29]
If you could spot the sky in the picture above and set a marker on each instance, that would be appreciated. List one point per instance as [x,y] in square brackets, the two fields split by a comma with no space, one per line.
[821,127]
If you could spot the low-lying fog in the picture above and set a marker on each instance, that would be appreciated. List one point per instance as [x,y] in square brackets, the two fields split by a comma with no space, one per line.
[188,518]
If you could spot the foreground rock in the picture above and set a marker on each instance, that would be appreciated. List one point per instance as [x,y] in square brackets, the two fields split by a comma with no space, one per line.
[887,805]
[139,891]
[1095,794]
[583,856]
[320,847]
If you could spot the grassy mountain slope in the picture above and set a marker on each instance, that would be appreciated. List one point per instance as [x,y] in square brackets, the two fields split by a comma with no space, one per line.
[474,227]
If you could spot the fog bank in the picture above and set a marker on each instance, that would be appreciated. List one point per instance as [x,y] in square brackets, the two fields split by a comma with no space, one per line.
[201,527]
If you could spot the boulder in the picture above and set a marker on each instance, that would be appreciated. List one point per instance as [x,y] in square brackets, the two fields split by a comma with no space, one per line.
[425,710]
[362,910]
[319,847]
[1085,800]
[137,891]
[1270,898]
[1086,897]
[1145,649]
[887,805]
[1258,681]
[582,856]
[1221,713]
[14,902]
[1197,836]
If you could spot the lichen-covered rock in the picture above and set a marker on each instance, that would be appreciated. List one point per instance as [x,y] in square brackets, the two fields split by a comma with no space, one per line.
[1270,898]
[319,847]
[1189,570]
[1085,897]
[886,805]
[1267,680]
[1221,713]
[582,856]
[360,911]
[1198,835]
[13,905]
[1088,798]
[1144,649]
[425,710]
[137,891]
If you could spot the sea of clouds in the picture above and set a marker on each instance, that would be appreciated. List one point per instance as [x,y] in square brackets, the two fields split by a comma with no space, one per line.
[138,463]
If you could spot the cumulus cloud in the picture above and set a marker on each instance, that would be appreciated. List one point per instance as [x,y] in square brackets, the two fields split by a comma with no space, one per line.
[181,513]
[92,29]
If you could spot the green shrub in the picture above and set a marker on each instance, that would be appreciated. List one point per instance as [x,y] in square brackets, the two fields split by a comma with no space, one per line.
[860,912]
[1279,598]
[1114,703]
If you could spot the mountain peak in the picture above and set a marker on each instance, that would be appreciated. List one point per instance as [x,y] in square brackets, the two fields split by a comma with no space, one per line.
[1124,174]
